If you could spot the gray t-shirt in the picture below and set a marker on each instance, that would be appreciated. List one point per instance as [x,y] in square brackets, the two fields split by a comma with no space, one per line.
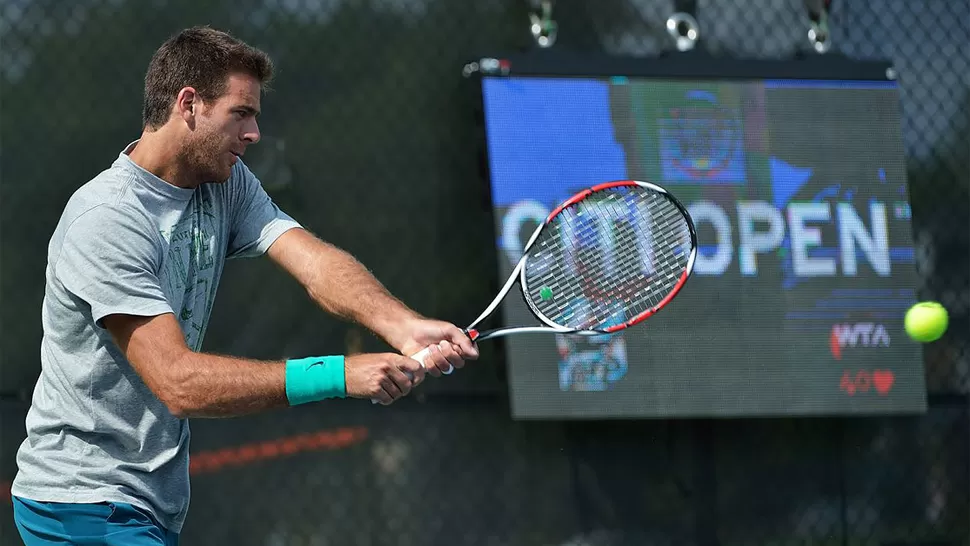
[128,242]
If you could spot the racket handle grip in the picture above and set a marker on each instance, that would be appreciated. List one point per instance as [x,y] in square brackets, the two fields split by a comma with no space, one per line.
[420,356]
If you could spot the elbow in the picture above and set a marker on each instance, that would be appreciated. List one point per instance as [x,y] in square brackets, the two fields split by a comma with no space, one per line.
[177,413]
[175,401]
[175,390]
[176,408]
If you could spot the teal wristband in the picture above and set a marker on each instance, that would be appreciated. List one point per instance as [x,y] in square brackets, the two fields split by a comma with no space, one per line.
[315,378]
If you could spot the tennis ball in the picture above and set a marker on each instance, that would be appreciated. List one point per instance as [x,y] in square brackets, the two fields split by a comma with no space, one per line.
[926,321]
[545,292]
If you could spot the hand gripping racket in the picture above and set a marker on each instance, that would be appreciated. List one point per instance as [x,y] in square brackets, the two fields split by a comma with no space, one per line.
[607,258]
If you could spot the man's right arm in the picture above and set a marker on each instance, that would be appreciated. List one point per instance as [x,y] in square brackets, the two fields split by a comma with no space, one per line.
[195,384]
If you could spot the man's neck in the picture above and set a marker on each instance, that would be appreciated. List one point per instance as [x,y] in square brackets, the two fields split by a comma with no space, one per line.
[158,153]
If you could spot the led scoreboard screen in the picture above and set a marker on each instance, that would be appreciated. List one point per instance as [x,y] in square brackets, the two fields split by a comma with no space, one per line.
[796,181]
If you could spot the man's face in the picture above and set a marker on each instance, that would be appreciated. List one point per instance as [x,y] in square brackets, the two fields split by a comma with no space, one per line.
[223,130]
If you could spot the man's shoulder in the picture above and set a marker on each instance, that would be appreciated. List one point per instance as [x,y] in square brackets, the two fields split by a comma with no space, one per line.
[106,229]
[99,207]
[107,194]
[107,187]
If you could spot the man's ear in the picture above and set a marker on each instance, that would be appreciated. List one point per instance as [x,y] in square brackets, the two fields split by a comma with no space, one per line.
[187,104]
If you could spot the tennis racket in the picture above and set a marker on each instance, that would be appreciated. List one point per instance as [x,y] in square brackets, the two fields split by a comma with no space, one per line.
[604,260]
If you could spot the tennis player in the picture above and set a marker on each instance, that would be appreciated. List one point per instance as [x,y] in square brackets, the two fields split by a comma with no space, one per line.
[133,267]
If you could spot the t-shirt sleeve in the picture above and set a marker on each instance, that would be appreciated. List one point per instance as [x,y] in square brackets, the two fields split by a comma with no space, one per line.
[256,221]
[109,258]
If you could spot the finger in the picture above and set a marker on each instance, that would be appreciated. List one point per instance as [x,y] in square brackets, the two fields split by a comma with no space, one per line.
[429,365]
[401,380]
[451,355]
[469,350]
[382,398]
[390,387]
[438,358]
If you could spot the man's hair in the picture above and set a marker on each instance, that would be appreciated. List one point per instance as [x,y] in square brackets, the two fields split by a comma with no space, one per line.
[202,58]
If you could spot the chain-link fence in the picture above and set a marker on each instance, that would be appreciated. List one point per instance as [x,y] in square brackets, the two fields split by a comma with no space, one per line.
[366,128]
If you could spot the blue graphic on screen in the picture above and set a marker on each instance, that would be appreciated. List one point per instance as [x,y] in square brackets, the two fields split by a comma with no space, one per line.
[786,181]
[548,138]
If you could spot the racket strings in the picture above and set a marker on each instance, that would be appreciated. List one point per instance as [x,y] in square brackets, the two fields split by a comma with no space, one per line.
[608,258]
[647,291]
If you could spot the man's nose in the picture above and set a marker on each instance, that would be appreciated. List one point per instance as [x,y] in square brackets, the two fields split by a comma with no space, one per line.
[251,133]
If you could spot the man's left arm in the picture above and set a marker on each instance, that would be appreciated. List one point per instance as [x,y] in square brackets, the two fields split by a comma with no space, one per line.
[342,286]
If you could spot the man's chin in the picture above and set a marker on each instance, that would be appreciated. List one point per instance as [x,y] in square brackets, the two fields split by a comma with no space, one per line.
[219,177]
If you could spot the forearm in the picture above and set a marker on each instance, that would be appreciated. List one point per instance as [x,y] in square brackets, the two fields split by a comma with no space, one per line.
[207,385]
[193,384]
[342,286]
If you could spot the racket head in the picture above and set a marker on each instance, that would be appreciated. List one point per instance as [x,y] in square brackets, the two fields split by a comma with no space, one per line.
[608,258]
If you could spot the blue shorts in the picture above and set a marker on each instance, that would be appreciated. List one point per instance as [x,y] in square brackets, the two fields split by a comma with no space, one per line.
[104,523]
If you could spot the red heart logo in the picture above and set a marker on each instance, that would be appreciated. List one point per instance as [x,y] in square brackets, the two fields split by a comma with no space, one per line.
[883,380]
